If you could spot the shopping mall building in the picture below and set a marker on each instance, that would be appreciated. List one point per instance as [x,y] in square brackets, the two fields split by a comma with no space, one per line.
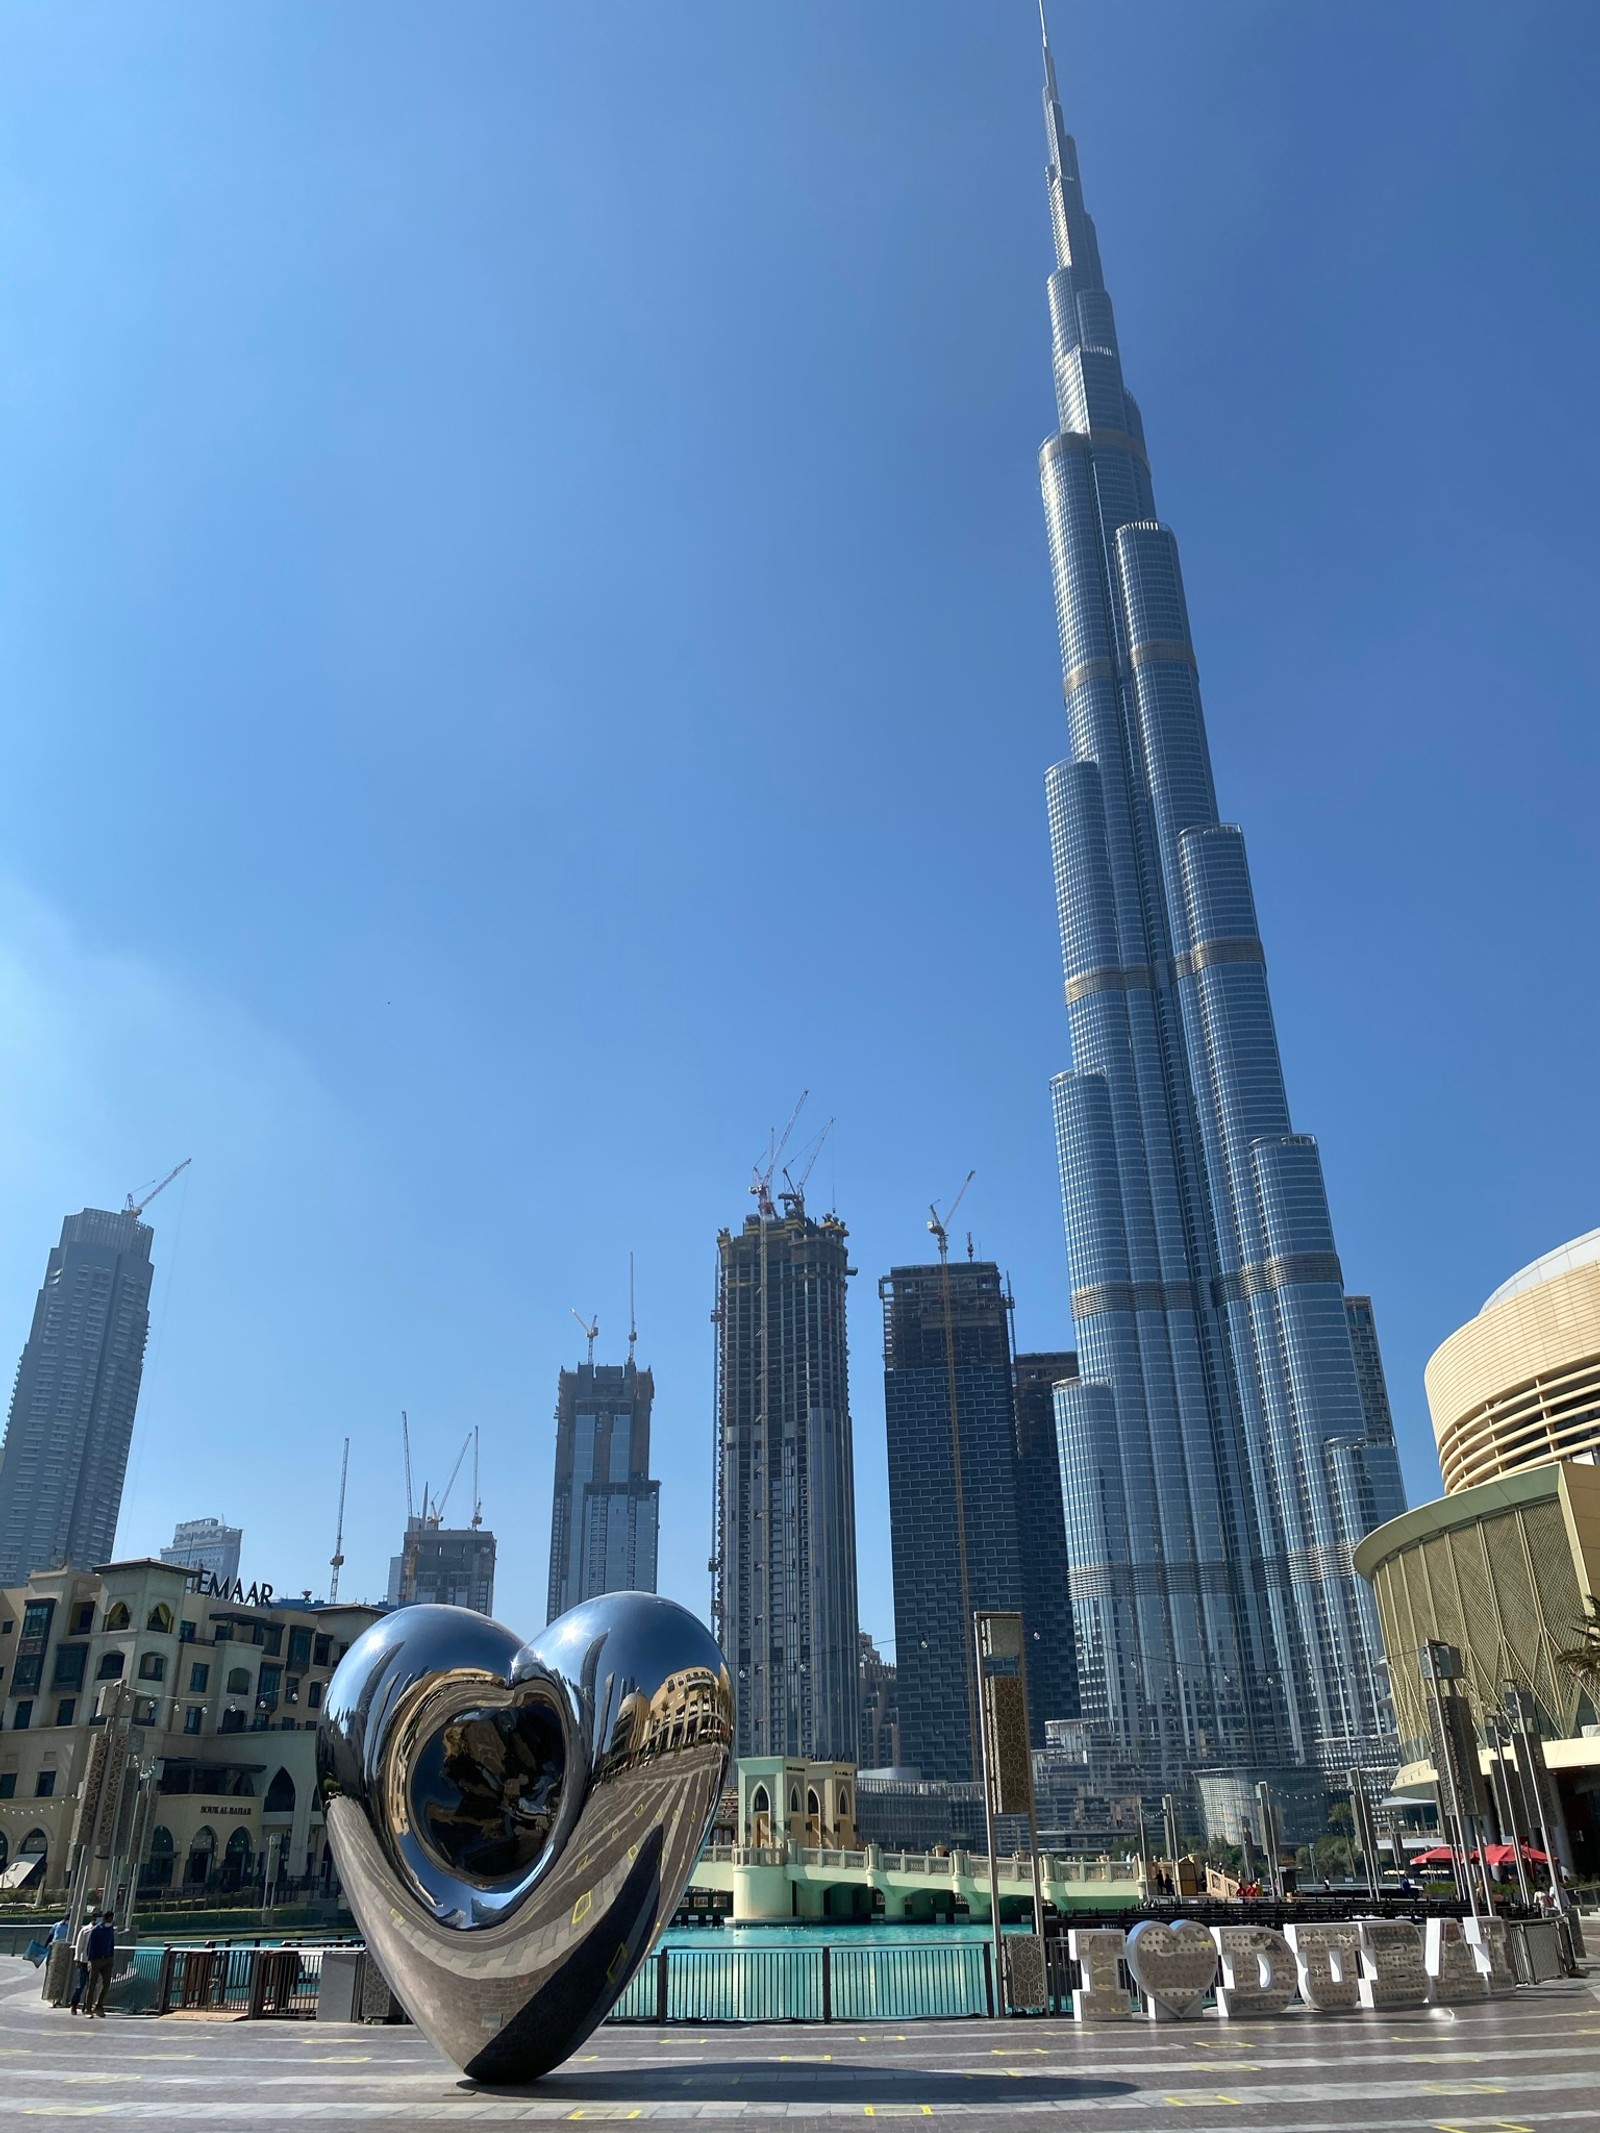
[1502,1566]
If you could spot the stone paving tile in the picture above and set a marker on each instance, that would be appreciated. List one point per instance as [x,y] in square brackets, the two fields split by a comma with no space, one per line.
[1514,2066]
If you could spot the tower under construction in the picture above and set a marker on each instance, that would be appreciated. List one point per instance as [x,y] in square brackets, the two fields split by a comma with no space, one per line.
[605,1509]
[784,1599]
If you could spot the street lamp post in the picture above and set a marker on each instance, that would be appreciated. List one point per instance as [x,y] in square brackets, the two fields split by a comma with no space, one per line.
[1524,1717]
[1442,1662]
[1499,1739]
[1365,1833]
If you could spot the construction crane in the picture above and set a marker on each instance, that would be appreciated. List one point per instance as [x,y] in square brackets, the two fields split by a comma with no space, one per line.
[591,1330]
[941,1236]
[136,1206]
[477,1501]
[336,1560]
[941,1230]
[794,1199]
[762,1175]
[436,1516]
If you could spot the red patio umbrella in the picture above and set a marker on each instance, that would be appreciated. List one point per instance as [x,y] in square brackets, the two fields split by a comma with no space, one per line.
[1495,1854]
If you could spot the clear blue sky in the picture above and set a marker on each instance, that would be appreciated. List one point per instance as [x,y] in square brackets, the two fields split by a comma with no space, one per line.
[525,640]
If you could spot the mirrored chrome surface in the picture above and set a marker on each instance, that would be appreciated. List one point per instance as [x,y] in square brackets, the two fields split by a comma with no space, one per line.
[512,1822]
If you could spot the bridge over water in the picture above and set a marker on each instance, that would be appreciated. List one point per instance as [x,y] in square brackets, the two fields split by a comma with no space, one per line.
[789,1881]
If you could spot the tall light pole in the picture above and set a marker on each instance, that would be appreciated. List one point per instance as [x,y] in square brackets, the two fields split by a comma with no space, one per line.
[1006,1760]
[1440,1663]
[1523,1714]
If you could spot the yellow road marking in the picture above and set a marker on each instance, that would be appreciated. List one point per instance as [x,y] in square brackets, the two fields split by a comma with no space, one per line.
[1497,2125]
[1463,2088]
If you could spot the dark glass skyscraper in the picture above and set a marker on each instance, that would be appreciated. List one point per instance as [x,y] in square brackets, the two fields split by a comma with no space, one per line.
[963,1518]
[66,1447]
[784,1599]
[1216,1454]
[1047,1594]
[605,1511]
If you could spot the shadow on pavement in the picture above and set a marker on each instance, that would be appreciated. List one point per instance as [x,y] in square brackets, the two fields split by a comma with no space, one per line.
[760,2081]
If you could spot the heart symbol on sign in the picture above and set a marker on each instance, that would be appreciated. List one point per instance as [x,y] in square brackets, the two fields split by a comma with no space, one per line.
[512,1822]
[1173,1966]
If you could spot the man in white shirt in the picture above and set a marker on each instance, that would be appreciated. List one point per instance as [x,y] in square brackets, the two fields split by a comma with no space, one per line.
[80,1960]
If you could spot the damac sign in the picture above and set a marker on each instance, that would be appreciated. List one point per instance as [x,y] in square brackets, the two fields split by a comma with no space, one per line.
[1370,1962]
[210,1587]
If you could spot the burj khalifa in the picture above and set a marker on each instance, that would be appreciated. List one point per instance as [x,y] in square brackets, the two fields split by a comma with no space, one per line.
[1220,1452]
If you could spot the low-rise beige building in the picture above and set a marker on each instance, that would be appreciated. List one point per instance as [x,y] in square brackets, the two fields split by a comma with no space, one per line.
[215,1693]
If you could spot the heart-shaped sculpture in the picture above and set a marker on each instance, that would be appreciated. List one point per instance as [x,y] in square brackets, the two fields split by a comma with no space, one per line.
[1173,1966]
[513,1822]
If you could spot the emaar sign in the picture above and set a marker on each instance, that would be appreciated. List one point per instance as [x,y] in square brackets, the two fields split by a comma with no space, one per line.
[1255,1970]
[210,1587]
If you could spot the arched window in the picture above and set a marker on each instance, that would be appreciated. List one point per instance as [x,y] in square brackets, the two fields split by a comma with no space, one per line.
[202,1854]
[813,1805]
[844,1801]
[280,1795]
[117,1615]
[238,1680]
[159,1617]
[759,1803]
[35,1845]
[236,1859]
[158,1867]
[111,1665]
[794,1799]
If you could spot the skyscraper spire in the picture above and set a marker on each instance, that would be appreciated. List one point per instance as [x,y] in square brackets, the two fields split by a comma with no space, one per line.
[1217,1462]
[1049,58]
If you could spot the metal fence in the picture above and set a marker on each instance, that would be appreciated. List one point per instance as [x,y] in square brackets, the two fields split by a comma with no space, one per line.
[254,1981]
[824,1984]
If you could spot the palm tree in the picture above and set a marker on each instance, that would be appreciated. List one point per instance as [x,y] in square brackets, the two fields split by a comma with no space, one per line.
[1583,1658]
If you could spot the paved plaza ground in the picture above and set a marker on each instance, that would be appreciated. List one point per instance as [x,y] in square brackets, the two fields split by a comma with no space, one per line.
[1511,2066]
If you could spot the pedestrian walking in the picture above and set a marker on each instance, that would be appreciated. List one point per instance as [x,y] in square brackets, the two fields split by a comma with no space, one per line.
[102,1953]
[80,1962]
[58,1977]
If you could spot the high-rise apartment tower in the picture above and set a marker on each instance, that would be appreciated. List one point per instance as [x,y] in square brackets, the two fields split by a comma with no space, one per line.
[784,1596]
[605,1513]
[208,1545]
[66,1447]
[956,1512]
[1216,1454]
[443,1566]
[1046,1589]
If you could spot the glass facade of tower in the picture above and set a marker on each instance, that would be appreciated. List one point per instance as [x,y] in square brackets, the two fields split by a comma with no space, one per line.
[1218,1460]
[72,1408]
[784,1600]
[605,1511]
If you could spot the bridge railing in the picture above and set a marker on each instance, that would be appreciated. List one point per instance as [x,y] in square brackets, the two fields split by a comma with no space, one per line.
[938,1866]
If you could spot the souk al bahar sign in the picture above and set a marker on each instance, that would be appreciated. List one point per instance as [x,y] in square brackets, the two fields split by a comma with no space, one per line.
[1255,1970]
